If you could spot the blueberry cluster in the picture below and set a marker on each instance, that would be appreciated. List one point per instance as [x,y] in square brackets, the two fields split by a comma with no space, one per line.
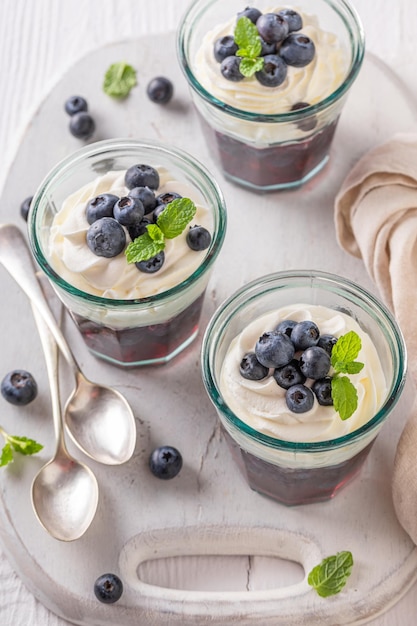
[110,217]
[282,45]
[296,352]
[81,123]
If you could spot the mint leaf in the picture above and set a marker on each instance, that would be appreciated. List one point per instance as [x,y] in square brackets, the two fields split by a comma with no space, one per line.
[155,233]
[346,348]
[24,445]
[246,36]
[119,79]
[144,247]
[175,217]
[352,367]
[6,455]
[345,397]
[330,576]
[248,67]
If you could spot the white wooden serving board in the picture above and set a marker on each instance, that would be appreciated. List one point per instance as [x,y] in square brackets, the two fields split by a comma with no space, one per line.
[206,519]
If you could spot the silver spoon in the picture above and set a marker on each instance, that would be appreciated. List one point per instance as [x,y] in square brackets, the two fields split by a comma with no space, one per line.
[98,418]
[65,491]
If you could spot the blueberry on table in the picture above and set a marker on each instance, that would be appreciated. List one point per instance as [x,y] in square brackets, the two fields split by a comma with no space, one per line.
[128,211]
[293,19]
[224,47]
[297,50]
[106,237]
[230,68]
[25,206]
[198,238]
[108,588]
[19,387]
[142,175]
[100,206]
[322,389]
[314,362]
[82,125]
[273,72]
[289,375]
[146,196]
[272,27]
[152,265]
[165,462]
[160,90]
[251,369]
[299,399]
[76,104]
[274,349]
[305,334]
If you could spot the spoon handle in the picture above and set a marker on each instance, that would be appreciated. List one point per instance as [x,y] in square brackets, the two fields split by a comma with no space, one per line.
[16,257]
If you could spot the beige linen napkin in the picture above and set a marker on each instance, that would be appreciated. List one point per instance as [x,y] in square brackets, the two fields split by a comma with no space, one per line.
[376,220]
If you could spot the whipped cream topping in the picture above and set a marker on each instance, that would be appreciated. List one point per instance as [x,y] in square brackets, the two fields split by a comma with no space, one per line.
[262,405]
[309,84]
[114,277]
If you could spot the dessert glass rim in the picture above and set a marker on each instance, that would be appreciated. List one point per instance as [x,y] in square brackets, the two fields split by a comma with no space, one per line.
[336,284]
[358,49]
[103,147]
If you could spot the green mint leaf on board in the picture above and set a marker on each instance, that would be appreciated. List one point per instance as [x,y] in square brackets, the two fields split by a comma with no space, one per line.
[144,247]
[23,445]
[248,67]
[6,455]
[119,79]
[345,397]
[330,576]
[247,38]
[175,217]
[346,348]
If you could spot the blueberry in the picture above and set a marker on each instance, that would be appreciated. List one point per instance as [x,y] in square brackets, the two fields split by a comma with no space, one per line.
[25,206]
[167,197]
[274,349]
[106,237]
[251,369]
[327,342]
[82,125]
[19,387]
[100,206]
[293,19]
[108,588]
[224,47]
[138,229]
[165,462]
[160,90]
[152,265]
[286,327]
[305,334]
[76,104]
[230,68]
[299,398]
[267,48]
[146,196]
[272,27]
[128,211]
[141,175]
[289,375]
[322,389]
[314,362]
[198,238]
[307,123]
[251,13]
[274,71]
[297,50]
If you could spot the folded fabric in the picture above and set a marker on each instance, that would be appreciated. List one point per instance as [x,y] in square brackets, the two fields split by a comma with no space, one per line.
[376,220]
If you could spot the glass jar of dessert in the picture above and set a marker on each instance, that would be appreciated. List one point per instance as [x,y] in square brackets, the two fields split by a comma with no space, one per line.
[269,83]
[303,369]
[127,233]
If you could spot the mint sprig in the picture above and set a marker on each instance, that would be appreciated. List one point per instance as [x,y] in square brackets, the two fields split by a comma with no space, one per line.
[343,360]
[14,443]
[246,36]
[119,79]
[170,223]
[330,576]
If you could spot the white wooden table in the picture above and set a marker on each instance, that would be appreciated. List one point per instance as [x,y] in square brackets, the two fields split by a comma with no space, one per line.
[39,41]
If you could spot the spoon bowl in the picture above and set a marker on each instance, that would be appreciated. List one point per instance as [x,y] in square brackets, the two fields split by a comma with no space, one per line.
[98,418]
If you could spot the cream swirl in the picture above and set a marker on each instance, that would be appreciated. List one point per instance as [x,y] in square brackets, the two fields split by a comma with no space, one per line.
[115,278]
[262,405]
[309,84]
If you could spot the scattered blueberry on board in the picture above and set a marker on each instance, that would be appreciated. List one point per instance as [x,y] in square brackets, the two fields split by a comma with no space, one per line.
[108,588]
[19,387]
[81,123]
[165,462]
[25,206]
[160,90]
